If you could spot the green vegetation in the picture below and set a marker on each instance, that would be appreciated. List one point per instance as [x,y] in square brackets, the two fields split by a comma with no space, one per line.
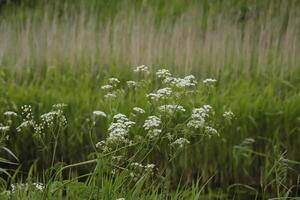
[54,52]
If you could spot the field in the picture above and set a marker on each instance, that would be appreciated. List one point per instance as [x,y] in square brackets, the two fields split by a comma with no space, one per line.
[140,99]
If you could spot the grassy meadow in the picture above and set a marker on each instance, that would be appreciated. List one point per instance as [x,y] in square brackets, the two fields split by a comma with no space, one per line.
[138,99]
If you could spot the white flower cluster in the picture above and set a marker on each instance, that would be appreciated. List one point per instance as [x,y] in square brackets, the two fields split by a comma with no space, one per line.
[25,124]
[98,113]
[151,125]
[141,68]
[162,93]
[138,110]
[228,115]
[27,112]
[113,81]
[118,130]
[51,118]
[188,81]
[110,96]
[4,128]
[132,84]
[163,73]
[171,109]
[138,170]
[107,87]
[209,81]
[180,142]
[210,131]
[25,187]
[10,114]
[199,115]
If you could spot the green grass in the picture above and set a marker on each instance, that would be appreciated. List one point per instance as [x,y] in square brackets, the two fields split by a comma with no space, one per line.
[49,57]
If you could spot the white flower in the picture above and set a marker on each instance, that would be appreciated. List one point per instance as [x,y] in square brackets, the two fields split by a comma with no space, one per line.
[27,112]
[4,128]
[187,81]
[106,87]
[138,110]
[99,113]
[151,122]
[153,133]
[142,68]
[210,131]
[180,142]
[120,199]
[199,116]
[228,115]
[163,73]
[164,92]
[131,84]
[10,113]
[171,109]
[39,186]
[113,81]
[119,130]
[25,124]
[209,81]
[59,106]
[110,96]
[196,123]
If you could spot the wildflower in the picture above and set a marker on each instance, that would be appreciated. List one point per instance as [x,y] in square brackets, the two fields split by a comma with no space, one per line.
[149,167]
[50,118]
[4,128]
[59,106]
[142,68]
[131,84]
[164,92]
[106,87]
[228,115]
[209,81]
[39,186]
[25,124]
[113,81]
[187,81]
[163,73]
[151,122]
[99,113]
[160,94]
[110,96]
[120,198]
[138,110]
[27,111]
[171,109]
[100,144]
[153,133]
[180,142]
[209,131]
[199,116]
[10,113]
[118,130]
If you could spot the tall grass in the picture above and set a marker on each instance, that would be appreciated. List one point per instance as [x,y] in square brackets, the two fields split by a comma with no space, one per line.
[201,38]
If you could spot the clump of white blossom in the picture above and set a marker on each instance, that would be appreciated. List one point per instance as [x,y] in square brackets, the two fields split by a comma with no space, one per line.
[171,109]
[162,93]
[180,142]
[141,68]
[10,114]
[228,115]
[151,125]
[99,113]
[138,110]
[209,81]
[199,116]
